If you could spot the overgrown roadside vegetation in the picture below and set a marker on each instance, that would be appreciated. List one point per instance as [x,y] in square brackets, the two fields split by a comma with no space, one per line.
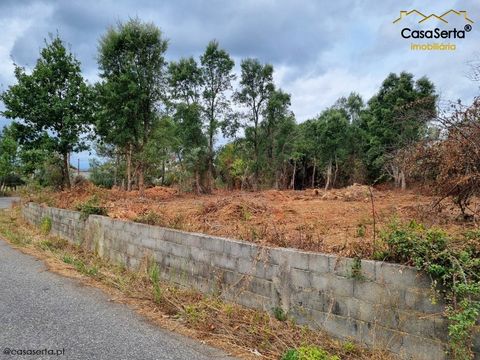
[453,263]
[245,333]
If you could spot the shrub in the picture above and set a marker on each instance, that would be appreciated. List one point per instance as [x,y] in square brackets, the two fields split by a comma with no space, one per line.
[46,225]
[91,207]
[453,264]
[308,353]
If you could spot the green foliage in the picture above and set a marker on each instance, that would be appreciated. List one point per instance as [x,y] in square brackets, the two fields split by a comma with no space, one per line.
[349,347]
[8,154]
[308,353]
[356,272]
[217,76]
[279,314]
[154,276]
[256,84]
[46,225]
[453,264]
[80,266]
[91,207]
[53,104]
[102,175]
[396,117]
[132,69]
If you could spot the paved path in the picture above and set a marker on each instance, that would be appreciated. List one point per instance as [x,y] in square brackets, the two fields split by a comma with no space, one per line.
[43,310]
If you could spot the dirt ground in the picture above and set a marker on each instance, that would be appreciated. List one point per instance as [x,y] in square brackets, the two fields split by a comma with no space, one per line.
[337,221]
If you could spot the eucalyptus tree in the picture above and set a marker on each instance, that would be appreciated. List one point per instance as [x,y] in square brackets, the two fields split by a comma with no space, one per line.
[50,105]
[256,85]
[186,81]
[277,136]
[397,116]
[132,90]
[217,76]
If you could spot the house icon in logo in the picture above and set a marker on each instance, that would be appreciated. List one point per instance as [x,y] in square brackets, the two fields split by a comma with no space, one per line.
[423,18]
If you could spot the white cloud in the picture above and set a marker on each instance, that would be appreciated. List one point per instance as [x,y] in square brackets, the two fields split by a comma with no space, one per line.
[312,93]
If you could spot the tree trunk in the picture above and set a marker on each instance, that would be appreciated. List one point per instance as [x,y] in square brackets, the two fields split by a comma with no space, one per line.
[329,175]
[313,175]
[197,182]
[336,172]
[209,180]
[141,179]
[66,171]
[402,180]
[292,184]
[129,168]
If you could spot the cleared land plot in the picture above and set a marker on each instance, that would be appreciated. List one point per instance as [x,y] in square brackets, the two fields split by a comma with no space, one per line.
[337,221]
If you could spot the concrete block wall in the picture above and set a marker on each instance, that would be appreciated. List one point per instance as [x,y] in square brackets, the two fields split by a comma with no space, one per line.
[388,306]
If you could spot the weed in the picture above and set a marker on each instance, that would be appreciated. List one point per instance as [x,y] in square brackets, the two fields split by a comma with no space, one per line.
[349,347]
[279,314]
[67,259]
[308,353]
[356,272]
[46,225]
[154,275]
[361,230]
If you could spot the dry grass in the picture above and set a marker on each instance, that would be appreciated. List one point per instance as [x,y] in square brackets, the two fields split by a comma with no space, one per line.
[339,221]
[242,332]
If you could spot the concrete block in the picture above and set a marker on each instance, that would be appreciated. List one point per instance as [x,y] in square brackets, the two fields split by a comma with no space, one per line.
[214,244]
[368,270]
[177,249]
[239,249]
[417,324]
[375,293]
[319,263]
[300,279]
[201,255]
[340,286]
[400,276]
[224,261]
[289,257]
[341,266]
[423,349]
[340,326]
[421,300]
[379,337]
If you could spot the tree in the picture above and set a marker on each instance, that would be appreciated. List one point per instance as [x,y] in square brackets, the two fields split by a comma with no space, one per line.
[333,142]
[397,116]
[256,84]
[51,106]
[185,80]
[277,136]
[132,69]
[8,155]
[217,78]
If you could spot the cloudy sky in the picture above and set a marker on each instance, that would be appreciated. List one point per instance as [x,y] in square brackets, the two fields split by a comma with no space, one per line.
[320,49]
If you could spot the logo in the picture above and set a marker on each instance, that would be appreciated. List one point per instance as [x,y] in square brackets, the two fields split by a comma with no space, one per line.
[444,31]
[424,18]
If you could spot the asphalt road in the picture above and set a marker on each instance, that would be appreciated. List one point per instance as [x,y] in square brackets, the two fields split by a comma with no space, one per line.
[42,310]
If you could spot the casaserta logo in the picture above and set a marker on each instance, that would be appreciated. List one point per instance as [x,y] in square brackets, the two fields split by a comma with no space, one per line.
[443,32]
[424,18]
